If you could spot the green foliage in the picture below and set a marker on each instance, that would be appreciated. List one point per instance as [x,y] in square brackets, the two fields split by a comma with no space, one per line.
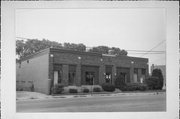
[108,87]
[108,50]
[117,51]
[152,83]
[73,90]
[30,46]
[85,90]
[24,48]
[135,87]
[57,89]
[96,89]
[76,47]
[155,82]
[158,73]
[100,49]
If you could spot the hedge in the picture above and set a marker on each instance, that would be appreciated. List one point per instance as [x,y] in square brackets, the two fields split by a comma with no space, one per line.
[73,91]
[96,89]
[108,87]
[85,90]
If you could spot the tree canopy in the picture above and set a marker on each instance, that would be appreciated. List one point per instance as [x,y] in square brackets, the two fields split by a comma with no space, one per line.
[30,46]
[156,80]
[24,48]
[108,50]
[158,73]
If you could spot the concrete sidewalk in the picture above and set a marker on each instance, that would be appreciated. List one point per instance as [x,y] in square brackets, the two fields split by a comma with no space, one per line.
[24,95]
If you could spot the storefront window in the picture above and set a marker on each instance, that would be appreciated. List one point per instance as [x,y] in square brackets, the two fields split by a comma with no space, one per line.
[143,71]
[72,74]
[108,74]
[90,78]
[108,78]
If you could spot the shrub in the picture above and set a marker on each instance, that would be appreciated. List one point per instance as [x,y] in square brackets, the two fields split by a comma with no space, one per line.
[73,90]
[85,90]
[159,83]
[152,83]
[108,87]
[136,86]
[143,88]
[96,89]
[57,89]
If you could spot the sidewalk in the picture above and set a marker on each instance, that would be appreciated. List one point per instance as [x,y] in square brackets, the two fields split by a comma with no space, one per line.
[23,95]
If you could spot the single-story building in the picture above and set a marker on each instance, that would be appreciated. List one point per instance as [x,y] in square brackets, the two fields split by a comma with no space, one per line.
[51,66]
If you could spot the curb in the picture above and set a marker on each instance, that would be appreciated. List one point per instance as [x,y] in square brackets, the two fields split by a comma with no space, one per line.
[90,95]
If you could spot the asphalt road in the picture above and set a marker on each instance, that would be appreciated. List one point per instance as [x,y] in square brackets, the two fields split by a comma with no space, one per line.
[121,103]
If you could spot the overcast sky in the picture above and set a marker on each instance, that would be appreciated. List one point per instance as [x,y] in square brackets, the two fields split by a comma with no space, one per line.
[129,29]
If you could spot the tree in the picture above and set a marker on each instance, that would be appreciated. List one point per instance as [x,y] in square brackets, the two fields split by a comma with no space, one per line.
[24,48]
[156,80]
[117,51]
[30,46]
[100,49]
[158,73]
[73,46]
[20,46]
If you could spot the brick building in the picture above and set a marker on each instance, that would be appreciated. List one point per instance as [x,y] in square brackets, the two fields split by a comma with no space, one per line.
[51,66]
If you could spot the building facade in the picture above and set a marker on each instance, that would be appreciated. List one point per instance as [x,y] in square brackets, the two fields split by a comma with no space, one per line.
[52,66]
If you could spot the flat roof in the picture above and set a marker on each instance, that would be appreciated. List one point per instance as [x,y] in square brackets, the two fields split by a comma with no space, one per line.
[61,50]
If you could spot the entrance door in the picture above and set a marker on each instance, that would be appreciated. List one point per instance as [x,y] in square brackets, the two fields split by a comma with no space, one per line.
[90,78]
[123,76]
[55,77]
[135,78]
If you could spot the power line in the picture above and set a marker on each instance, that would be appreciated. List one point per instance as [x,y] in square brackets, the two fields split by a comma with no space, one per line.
[154,47]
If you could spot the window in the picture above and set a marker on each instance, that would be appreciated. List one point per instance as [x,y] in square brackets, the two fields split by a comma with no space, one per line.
[124,77]
[71,78]
[58,73]
[136,70]
[90,78]
[135,77]
[143,71]
[108,74]
[59,76]
[71,74]
[108,78]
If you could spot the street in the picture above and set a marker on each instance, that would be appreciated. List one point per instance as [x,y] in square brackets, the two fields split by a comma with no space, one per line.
[120,103]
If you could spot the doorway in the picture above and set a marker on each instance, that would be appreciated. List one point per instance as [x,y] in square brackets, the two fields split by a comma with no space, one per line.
[89,78]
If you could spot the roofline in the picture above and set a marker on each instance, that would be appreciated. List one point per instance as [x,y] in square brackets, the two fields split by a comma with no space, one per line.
[44,51]
[74,51]
[51,50]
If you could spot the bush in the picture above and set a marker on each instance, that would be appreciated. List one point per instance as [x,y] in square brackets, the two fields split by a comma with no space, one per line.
[135,87]
[152,83]
[57,89]
[96,89]
[108,87]
[85,90]
[159,83]
[73,91]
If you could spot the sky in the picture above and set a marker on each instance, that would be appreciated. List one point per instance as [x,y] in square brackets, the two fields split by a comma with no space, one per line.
[129,29]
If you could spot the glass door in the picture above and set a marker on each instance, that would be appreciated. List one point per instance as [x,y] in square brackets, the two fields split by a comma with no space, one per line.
[90,78]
